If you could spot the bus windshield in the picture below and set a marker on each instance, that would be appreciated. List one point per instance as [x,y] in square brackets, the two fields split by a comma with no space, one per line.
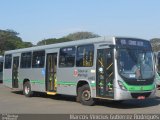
[135,63]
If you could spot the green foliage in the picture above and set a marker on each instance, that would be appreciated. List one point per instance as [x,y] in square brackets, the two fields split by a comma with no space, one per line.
[9,40]
[70,37]
[155,44]
[81,35]
[27,44]
[52,41]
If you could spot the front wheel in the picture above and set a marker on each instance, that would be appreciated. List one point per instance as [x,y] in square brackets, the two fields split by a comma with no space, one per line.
[27,89]
[85,95]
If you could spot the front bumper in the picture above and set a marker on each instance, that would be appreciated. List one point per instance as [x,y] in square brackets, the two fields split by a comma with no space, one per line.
[125,95]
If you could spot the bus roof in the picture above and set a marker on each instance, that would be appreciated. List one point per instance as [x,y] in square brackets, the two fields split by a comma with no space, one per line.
[70,43]
[109,40]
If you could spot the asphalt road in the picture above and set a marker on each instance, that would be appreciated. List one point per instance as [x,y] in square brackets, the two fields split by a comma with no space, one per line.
[17,103]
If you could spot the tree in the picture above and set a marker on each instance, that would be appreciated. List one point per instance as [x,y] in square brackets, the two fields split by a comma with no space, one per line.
[27,44]
[70,37]
[155,42]
[81,35]
[9,40]
[52,41]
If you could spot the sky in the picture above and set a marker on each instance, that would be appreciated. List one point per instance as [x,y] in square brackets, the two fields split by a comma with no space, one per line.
[36,20]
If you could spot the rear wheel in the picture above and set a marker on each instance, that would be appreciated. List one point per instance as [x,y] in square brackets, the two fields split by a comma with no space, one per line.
[27,89]
[84,95]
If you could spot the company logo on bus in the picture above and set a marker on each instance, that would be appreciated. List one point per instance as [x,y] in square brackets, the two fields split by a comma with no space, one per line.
[75,73]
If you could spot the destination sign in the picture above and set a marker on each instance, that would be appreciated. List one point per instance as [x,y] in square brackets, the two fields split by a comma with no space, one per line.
[68,49]
[133,42]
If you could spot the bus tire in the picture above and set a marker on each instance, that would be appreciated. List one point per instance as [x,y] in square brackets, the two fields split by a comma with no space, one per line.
[78,95]
[84,95]
[27,89]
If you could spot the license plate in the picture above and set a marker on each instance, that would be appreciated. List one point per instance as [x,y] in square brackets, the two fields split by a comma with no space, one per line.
[141,97]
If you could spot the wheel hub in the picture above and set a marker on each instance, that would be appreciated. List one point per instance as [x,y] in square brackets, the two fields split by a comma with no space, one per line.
[26,89]
[86,95]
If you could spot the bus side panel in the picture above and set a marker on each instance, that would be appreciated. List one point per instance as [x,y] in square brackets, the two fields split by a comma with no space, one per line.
[7,77]
[36,76]
[66,81]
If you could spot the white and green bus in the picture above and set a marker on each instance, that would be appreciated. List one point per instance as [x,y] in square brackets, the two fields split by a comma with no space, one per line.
[113,68]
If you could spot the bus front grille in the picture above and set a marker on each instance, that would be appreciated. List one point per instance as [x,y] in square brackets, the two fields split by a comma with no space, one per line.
[136,95]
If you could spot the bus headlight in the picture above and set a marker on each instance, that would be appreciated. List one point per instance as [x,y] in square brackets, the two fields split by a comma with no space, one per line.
[121,85]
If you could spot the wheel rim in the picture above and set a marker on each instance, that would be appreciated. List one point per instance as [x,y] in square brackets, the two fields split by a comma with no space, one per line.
[26,89]
[86,95]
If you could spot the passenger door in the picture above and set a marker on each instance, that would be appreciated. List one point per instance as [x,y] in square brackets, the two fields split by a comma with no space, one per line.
[105,73]
[15,72]
[51,72]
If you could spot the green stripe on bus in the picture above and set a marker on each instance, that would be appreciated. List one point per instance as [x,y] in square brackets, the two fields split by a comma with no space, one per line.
[139,87]
[66,83]
[20,81]
[38,81]
[93,84]
[32,81]
[72,83]
[43,82]
[7,80]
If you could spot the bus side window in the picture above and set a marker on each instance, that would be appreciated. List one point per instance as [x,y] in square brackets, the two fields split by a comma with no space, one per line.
[38,59]
[8,61]
[85,55]
[67,57]
[26,60]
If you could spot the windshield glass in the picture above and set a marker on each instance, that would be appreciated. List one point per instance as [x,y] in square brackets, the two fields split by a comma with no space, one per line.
[135,64]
